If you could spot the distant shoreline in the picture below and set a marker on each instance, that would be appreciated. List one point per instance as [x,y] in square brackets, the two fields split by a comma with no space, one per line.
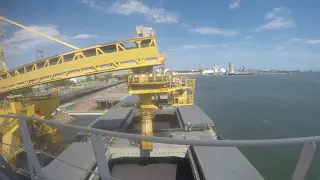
[273,72]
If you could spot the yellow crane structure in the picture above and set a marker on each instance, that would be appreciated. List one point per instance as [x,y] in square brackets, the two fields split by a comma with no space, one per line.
[40,107]
[139,54]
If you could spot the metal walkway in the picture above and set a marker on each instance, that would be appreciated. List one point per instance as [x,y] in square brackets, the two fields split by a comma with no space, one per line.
[36,171]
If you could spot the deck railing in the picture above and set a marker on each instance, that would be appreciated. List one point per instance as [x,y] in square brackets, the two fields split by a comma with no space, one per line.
[300,172]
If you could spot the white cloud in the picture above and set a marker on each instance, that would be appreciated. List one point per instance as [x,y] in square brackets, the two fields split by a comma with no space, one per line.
[293,40]
[23,41]
[279,23]
[134,7]
[83,36]
[313,41]
[279,47]
[234,4]
[213,30]
[94,5]
[308,41]
[279,18]
[277,12]
[249,37]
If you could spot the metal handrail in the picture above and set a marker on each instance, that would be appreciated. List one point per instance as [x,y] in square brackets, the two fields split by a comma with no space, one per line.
[51,156]
[303,165]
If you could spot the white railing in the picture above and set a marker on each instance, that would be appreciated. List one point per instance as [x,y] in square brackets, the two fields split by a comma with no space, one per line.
[300,172]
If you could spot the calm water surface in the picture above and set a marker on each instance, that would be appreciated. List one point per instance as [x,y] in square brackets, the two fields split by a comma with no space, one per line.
[261,107]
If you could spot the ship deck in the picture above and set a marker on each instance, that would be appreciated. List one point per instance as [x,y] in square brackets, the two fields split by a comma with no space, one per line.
[221,163]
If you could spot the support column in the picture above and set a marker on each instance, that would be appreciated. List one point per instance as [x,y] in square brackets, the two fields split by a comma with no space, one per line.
[305,160]
[33,161]
[100,155]
[147,114]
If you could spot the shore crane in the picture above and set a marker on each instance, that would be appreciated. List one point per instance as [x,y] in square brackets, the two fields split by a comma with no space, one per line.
[114,56]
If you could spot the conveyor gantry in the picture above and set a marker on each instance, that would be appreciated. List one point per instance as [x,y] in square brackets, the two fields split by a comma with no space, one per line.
[96,59]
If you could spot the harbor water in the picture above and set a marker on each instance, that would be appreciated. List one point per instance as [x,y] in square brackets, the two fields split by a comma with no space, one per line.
[264,107]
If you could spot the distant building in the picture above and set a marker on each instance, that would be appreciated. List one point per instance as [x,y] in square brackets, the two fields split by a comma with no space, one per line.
[188,72]
[165,70]
[215,70]
[40,87]
[208,72]
[222,70]
[79,79]
[231,68]
[218,69]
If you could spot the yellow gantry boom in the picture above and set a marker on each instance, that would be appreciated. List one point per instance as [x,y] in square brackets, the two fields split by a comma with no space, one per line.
[139,54]
[133,54]
[97,59]
[39,33]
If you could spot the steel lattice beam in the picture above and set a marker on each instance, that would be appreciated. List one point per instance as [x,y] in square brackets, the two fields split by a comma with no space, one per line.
[97,59]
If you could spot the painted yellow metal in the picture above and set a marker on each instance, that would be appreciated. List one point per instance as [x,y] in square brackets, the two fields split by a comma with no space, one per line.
[9,126]
[146,83]
[40,107]
[180,91]
[183,96]
[183,99]
[45,106]
[139,54]
[92,60]
[39,33]
[147,109]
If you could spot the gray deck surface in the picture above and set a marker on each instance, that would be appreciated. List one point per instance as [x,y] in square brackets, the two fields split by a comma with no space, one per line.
[129,101]
[117,113]
[221,163]
[109,97]
[79,154]
[225,163]
[194,115]
[150,171]
[113,119]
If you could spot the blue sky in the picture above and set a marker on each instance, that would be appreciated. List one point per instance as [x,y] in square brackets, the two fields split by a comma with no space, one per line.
[264,34]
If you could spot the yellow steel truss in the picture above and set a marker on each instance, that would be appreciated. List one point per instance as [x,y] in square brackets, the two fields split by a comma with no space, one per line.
[97,59]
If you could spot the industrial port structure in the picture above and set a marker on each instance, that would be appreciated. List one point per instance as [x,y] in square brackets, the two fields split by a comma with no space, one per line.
[190,130]
[140,58]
